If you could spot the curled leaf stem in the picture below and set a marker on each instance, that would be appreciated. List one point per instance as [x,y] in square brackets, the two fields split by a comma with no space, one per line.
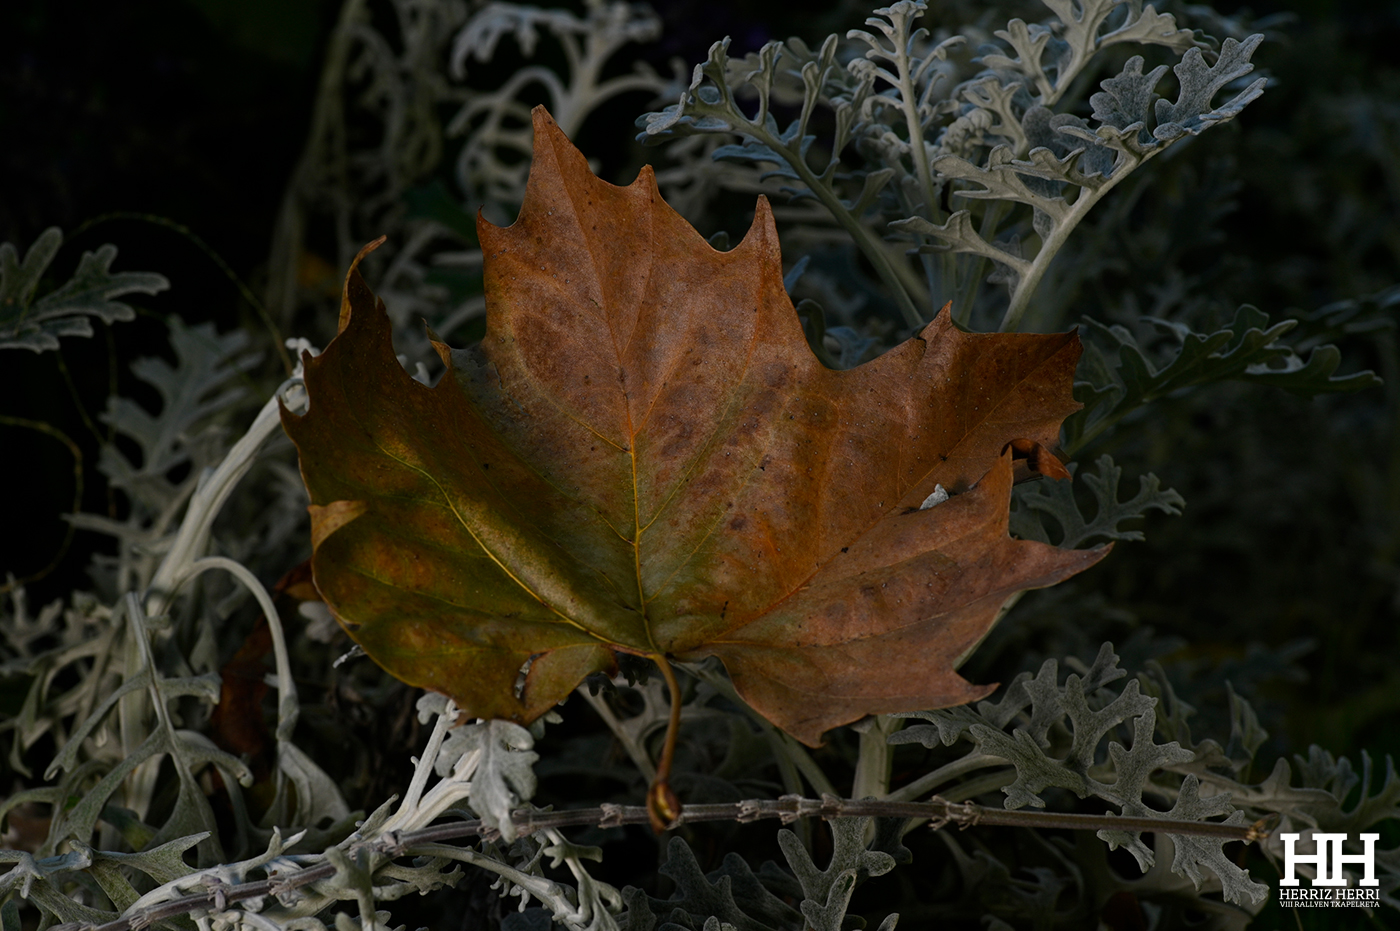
[663,806]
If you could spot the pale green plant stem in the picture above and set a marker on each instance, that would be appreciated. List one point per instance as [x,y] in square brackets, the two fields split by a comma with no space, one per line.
[212,490]
[139,636]
[447,793]
[146,774]
[930,781]
[418,809]
[975,787]
[974,271]
[288,709]
[787,770]
[132,711]
[872,777]
[863,235]
[1026,285]
[637,753]
[211,493]
[790,748]
[549,892]
[101,659]
[909,102]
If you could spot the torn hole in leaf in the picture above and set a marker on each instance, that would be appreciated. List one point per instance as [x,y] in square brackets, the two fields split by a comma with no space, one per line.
[1032,460]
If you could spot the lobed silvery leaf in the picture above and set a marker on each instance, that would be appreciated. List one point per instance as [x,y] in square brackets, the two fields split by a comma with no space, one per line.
[1369,314]
[37,325]
[203,382]
[1058,153]
[958,234]
[505,776]
[1318,804]
[1040,691]
[1195,857]
[1151,28]
[1036,770]
[1336,776]
[1005,178]
[1064,49]
[1056,499]
[1029,42]
[827,916]
[1126,98]
[612,24]
[317,796]
[827,892]
[1249,349]
[164,864]
[1200,82]
[996,111]
[1080,714]
[733,894]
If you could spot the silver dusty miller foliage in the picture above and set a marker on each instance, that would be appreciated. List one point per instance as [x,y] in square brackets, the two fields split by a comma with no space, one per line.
[950,160]
[420,93]
[917,123]
[38,324]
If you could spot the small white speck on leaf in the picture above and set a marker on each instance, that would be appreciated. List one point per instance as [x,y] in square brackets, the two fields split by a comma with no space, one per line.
[940,494]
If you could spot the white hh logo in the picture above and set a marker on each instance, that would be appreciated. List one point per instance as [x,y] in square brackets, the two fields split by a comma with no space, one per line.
[1333,843]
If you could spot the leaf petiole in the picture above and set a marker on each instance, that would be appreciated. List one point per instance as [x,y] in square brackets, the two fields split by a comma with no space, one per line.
[663,808]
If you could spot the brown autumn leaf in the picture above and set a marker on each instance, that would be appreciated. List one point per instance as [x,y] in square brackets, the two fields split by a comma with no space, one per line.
[644,456]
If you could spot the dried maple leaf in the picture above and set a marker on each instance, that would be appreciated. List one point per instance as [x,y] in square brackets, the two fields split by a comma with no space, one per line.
[644,456]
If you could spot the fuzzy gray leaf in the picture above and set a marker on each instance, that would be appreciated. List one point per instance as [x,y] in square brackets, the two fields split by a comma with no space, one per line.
[733,894]
[1134,768]
[1126,99]
[1194,855]
[1004,178]
[37,325]
[828,915]
[505,775]
[1036,770]
[1039,691]
[1151,28]
[1200,82]
[1335,775]
[849,856]
[1056,499]
[202,383]
[318,797]
[959,235]
[163,864]
[1247,735]
[1249,349]
[1085,712]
